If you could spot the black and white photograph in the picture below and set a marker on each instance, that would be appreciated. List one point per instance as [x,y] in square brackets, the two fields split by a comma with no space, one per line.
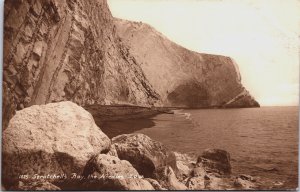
[110,95]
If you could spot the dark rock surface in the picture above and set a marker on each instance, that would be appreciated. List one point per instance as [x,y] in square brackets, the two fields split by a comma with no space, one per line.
[145,154]
[215,160]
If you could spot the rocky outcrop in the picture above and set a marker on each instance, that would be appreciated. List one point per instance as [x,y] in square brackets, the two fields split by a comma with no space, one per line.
[182,77]
[113,174]
[143,153]
[244,99]
[57,50]
[215,160]
[57,138]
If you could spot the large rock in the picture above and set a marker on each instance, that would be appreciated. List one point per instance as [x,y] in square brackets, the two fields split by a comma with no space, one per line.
[57,138]
[105,172]
[215,160]
[145,154]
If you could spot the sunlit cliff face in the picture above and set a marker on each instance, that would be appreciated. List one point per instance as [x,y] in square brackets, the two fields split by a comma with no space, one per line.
[261,36]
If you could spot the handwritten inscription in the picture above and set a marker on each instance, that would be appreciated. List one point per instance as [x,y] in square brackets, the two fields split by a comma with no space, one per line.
[75,176]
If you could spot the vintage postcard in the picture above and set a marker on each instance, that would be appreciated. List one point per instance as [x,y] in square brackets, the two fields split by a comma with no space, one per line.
[102,95]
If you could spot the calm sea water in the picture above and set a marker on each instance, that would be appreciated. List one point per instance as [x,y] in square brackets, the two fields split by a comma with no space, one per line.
[263,142]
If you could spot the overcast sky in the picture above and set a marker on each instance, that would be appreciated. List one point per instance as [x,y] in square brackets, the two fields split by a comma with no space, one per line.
[261,35]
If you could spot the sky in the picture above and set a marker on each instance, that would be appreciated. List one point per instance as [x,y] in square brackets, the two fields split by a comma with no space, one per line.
[262,36]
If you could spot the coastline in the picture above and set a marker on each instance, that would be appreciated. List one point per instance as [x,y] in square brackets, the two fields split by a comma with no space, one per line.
[152,164]
[124,119]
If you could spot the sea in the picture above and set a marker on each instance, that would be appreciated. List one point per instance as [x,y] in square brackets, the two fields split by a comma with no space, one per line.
[262,142]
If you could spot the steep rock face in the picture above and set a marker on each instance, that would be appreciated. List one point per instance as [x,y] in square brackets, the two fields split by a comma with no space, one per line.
[182,77]
[58,50]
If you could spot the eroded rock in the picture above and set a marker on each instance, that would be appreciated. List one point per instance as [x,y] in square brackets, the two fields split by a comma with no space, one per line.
[145,154]
[113,174]
[215,160]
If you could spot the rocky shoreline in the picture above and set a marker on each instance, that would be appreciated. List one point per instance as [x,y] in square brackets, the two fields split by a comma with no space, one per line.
[58,146]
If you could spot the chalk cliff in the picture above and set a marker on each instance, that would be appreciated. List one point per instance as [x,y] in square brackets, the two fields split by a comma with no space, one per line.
[56,50]
[182,77]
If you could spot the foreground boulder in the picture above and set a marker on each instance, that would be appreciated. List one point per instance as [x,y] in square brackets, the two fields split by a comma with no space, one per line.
[105,172]
[57,138]
[145,154]
[215,160]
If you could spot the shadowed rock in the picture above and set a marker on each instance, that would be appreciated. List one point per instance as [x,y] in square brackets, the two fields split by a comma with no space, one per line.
[145,154]
[215,160]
